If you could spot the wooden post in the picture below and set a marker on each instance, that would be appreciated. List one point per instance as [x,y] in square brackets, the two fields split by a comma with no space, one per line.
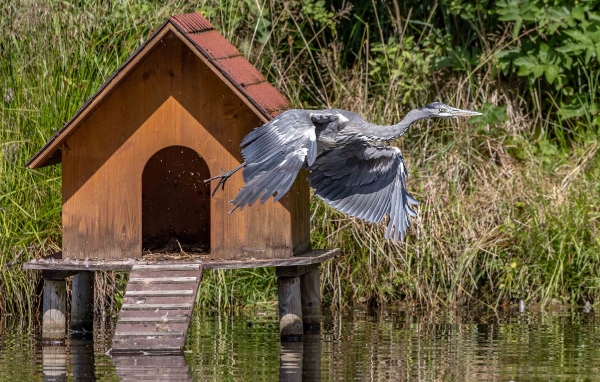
[311,300]
[82,302]
[290,308]
[54,322]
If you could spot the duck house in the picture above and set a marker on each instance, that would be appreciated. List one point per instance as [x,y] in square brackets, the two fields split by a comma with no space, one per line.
[134,159]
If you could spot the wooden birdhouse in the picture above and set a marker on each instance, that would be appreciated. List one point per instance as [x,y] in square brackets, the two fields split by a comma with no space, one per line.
[135,156]
[134,160]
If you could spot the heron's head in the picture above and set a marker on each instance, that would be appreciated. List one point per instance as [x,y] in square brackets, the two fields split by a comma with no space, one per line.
[440,110]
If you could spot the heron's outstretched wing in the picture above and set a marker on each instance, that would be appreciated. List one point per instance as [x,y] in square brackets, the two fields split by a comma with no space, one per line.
[275,153]
[367,182]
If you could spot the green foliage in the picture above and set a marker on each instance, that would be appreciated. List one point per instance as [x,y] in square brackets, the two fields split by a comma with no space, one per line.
[509,207]
[554,45]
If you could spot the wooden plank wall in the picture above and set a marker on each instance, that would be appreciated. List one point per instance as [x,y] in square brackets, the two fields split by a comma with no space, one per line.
[172,98]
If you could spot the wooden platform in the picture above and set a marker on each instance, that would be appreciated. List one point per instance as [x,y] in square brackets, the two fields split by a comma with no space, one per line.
[156,310]
[57,263]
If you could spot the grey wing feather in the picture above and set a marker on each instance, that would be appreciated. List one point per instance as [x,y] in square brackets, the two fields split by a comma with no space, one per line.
[274,154]
[367,182]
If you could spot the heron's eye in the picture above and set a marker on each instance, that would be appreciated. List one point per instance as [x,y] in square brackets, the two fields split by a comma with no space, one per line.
[442,110]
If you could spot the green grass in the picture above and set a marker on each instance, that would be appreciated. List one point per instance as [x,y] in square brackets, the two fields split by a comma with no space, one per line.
[509,201]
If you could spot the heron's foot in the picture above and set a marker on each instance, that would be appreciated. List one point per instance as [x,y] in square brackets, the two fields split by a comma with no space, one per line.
[222,179]
[234,208]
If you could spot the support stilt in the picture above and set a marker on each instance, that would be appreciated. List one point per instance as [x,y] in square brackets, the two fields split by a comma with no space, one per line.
[54,323]
[82,302]
[310,286]
[290,309]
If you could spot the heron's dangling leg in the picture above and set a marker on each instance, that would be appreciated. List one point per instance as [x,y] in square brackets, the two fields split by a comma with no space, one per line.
[223,178]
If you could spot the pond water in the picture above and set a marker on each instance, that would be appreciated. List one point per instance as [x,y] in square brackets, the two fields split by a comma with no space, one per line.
[356,346]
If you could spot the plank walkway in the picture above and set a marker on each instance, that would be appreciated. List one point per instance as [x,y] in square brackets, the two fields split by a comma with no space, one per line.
[156,310]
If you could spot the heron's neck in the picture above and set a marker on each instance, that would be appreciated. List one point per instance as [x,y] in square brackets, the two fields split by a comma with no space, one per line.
[387,133]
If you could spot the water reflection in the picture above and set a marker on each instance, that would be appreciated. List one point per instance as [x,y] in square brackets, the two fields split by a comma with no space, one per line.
[390,345]
[152,368]
[78,361]
[54,363]
[83,359]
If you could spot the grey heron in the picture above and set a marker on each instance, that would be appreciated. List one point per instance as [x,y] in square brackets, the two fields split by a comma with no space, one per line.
[349,167]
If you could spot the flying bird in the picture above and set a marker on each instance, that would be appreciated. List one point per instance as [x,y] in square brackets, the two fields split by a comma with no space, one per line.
[349,167]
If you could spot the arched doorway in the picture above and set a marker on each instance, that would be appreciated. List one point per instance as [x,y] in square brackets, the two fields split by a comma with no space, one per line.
[175,202]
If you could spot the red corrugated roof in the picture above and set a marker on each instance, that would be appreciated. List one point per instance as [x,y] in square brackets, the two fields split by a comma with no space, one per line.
[192,22]
[212,43]
[231,63]
[268,97]
[214,47]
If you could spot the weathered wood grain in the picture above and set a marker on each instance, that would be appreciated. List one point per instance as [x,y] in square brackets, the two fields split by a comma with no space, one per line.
[156,317]
[295,270]
[54,321]
[82,302]
[166,267]
[158,293]
[310,287]
[156,306]
[313,257]
[290,308]
[162,280]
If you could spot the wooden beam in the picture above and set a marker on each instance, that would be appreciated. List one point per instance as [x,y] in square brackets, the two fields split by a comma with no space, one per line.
[313,257]
[54,321]
[82,302]
[290,309]
[166,267]
[310,287]
[295,270]
[156,307]
[162,280]
[58,274]
[158,293]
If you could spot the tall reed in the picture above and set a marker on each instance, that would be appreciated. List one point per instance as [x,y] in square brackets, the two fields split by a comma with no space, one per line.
[509,206]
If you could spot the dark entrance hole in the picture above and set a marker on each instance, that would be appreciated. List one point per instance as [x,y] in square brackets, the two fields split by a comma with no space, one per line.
[175,202]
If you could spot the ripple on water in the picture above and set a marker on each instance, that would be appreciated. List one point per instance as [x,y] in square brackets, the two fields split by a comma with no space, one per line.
[391,345]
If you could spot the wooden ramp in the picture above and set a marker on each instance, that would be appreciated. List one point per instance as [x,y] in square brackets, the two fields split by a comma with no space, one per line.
[156,310]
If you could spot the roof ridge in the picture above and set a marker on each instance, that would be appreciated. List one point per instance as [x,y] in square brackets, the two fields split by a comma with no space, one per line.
[208,43]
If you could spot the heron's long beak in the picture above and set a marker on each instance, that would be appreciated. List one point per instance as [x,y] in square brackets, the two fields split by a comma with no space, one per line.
[463,113]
